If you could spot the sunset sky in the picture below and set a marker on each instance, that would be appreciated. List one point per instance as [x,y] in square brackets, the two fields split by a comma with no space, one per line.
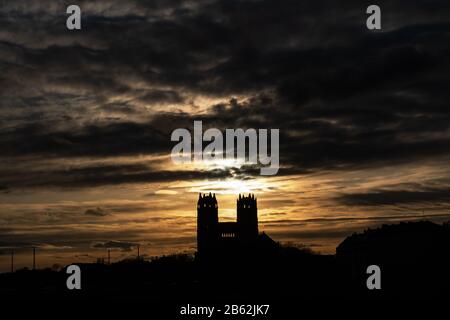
[86,118]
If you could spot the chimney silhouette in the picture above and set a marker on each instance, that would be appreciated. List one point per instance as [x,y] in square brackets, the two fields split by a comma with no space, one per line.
[12,261]
[109,256]
[138,251]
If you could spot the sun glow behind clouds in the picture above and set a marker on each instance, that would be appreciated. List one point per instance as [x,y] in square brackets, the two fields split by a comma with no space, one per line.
[232,186]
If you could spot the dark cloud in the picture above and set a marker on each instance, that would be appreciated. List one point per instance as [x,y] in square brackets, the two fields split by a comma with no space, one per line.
[342,96]
[111,139]
[102,175]
[379,219]
[97,212]
[124,246]
[394,197]
[24,238]
[162,97]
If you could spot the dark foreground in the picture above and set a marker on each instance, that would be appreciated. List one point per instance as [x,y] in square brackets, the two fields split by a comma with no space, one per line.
[413,258]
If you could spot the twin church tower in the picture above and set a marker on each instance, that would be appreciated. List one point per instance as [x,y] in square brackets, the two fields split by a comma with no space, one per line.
[216,237]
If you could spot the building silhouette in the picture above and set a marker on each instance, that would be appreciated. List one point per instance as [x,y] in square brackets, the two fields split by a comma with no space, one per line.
[218,238]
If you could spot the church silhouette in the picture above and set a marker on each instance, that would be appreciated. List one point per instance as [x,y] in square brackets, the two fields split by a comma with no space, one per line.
[216,238]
